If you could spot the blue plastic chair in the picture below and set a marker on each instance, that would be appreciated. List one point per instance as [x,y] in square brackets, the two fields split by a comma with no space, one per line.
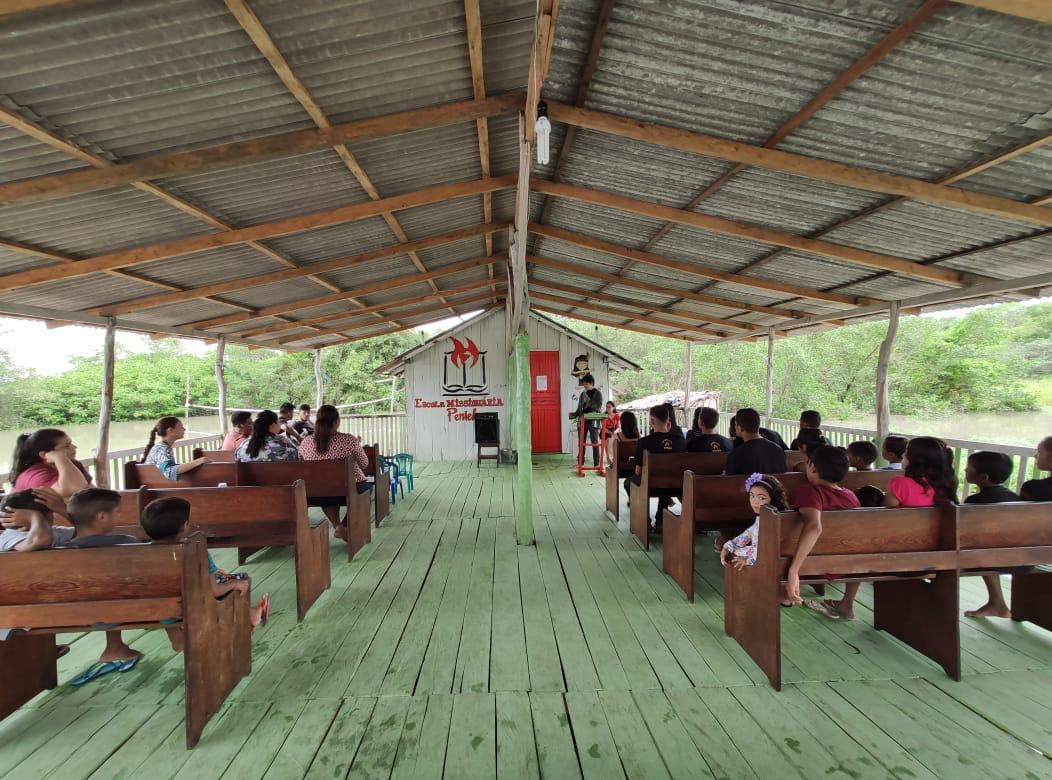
[405,467]
[396,477]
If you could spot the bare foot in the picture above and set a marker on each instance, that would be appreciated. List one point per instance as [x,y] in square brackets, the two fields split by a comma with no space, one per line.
[340,532]
[847,613]
[990,610]
[119,652]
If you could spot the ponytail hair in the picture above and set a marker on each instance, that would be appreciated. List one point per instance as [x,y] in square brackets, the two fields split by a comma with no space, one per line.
[260,432]
[28,447]
[326,423]
[160,430]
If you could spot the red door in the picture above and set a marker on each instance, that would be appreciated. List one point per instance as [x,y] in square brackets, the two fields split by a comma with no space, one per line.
[545,402]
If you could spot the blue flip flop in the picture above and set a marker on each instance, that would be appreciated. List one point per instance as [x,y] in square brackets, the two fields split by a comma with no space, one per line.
[101,668]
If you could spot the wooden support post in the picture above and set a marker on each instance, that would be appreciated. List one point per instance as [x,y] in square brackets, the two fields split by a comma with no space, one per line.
[688,421]
[391,406]
[769,392]
[102,472]
[186,402]
[513,393]
[221,384]
[319,387]
[883,363]
[524,481]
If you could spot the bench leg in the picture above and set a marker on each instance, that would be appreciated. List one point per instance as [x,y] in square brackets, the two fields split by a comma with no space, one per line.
[751,614]
[313,575]
[925,615]
[639,516]
[27,667]
[244,553]
[359,530]
[613,494]
[1032,598]
[677,551]
[383,496]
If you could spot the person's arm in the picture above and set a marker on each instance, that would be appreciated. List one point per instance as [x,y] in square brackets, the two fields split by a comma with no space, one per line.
[808,537]
[70,478]
[358,451]
[891,500]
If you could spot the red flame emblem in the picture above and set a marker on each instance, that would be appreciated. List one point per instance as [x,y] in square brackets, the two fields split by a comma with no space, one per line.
[460,355]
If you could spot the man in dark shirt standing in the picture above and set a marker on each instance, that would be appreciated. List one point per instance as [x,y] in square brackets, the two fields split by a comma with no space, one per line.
[755,454]
[707,439]
[590,402]
[661,439]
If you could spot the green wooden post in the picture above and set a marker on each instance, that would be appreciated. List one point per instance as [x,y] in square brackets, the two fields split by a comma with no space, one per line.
[524,481]
[512,395]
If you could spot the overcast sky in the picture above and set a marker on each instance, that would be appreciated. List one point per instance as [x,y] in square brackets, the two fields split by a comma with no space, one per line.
[34,345]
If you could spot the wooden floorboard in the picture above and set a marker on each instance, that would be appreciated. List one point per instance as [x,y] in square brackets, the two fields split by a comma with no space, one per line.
[446,650]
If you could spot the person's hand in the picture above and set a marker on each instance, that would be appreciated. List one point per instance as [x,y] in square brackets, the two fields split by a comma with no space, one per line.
[739,563]
[55,457]
[50,499]
[792,587]
[7,521]
[725,556]
[203,460]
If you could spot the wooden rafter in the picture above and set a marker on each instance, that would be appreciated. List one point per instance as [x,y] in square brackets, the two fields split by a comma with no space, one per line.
[874,55]
[1038,10]
[800,165]
[617,312]
[404,311]
[473,26]
[149,302]
[636,284]
[260,37]
[841,252]
[384,286]
[283,227]
[540,58]
[608,323]
[694,269]
[11,7]
[258,149]
[604,297]
[270,331]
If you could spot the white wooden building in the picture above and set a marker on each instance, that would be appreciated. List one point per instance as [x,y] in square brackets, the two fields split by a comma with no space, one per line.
[464,370]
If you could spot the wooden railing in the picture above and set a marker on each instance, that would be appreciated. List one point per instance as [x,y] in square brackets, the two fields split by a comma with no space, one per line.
[1024,467]
[389,430]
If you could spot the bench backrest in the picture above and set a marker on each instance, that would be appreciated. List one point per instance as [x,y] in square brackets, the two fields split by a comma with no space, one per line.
[138,475]
[122,584]
[373,451]
[623,454]
[320,477]
[1018,533]
[665,470]
[219,456]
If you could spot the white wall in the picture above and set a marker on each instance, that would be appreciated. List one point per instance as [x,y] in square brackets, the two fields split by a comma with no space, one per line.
[433,435]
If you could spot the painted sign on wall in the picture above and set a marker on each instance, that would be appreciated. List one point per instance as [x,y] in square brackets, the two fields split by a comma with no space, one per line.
[464,369]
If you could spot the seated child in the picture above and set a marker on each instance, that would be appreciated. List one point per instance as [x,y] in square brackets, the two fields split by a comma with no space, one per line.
[763,490]
[989,471]
[894,449]
[870,496]
[826,467]
[166,521]
[809,440]
[1040,489]
[927,480]
[862,455]
[26,517]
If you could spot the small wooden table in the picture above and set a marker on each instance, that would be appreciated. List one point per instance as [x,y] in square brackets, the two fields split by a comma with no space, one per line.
[581,427]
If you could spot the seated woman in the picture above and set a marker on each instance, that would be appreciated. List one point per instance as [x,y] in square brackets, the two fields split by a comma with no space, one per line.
[48,459]
[611,425]
[266,444]
[168,430]
[327,443]
[628,432]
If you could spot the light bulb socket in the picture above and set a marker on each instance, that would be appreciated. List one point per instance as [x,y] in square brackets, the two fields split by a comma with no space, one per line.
[542,109]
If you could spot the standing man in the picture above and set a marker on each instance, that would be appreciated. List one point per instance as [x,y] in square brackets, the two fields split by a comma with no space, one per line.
[591,401]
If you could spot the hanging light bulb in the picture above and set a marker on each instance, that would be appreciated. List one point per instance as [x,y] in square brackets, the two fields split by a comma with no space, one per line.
[543,129]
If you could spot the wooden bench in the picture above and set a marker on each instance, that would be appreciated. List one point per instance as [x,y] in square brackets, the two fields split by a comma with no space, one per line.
[217,456]
[253,517]
[663,475]
[994,537]
[137,475]
[321,479]
[131,586]
[894,548]
[720,503]
[624,467]
[795,460]
[381,483]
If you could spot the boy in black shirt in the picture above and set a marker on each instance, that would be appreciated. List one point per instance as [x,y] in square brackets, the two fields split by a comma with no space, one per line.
[703,436]
[590,402]
[808,419]
[1040,489]
[989,471]
[755,454]
[661,439]
[767,433]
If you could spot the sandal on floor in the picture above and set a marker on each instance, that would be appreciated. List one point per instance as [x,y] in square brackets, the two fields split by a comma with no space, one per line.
[96,670]
[264,609]
[825,608]
[61,650]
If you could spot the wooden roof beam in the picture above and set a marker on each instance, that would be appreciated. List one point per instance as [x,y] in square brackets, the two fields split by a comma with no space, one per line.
[241,152]
[799,165]
[607,323]
[636,284]
[1038,10]
[283,227]
[385,286]
[695,269]
[389,331]
[473,27]
[540,58]
[841,252]
[149,302]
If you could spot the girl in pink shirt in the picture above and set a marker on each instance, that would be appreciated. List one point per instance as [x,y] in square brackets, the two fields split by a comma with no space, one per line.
[48,459]
[927,476]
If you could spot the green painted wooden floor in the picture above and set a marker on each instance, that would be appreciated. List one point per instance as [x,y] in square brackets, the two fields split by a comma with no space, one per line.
[445,650]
